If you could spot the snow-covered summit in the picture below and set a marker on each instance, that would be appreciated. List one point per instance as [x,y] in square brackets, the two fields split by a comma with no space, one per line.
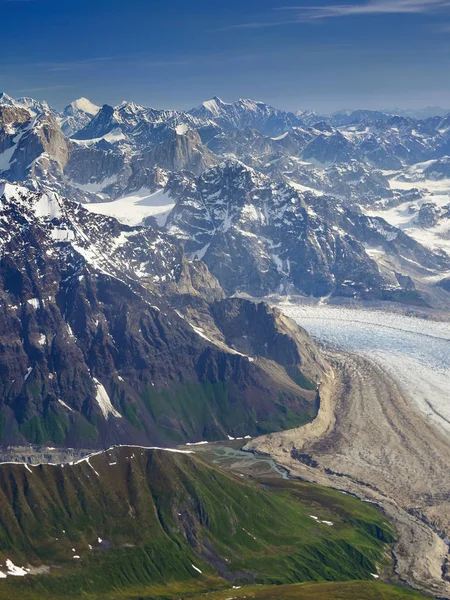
[34,106]
[82,105]
[77,115]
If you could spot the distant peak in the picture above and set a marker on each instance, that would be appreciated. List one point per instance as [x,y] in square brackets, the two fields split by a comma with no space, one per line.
[5,99]
[85,105]
[214,104]
[130,105]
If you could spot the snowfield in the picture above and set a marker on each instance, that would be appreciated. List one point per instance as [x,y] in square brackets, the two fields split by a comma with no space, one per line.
[404,216]
[133,209]
[415,352]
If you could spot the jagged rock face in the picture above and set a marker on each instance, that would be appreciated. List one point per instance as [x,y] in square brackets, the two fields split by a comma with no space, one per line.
[235,318]
[428,215]
[132,150]
[377,235]
[183,150]
[11,124]
[356,182]
[36,144]
[91,165]
[260,237]
[10,115]
[93,353]
[142,126]
[108,163]
[104,122]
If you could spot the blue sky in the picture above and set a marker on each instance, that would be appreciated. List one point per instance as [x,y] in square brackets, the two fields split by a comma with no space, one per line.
[177,53]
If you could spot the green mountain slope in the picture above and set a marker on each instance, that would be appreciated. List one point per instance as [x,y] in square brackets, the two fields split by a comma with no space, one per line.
[352,590]
[144,523]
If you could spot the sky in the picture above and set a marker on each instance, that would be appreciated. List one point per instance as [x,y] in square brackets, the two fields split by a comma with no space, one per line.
[298,55]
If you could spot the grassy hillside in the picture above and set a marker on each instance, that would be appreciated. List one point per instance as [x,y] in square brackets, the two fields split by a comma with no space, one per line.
[144,523]
[353,590]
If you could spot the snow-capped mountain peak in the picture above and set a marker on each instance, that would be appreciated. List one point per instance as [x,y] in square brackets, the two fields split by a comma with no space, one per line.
[34,106]
[77,115]
[5,99]
[215,105]
[82,105]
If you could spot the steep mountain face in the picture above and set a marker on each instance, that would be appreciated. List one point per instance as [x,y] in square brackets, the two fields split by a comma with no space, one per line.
[181,150]
[133,522]
[105,121]
[93,168]
[33,145]
[260,237]
[248,144]
[93,350]
[402,252]
[77,115]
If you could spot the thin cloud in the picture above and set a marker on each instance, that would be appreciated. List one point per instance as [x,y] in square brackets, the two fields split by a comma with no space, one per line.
[374,7]
[444,28]
[43,89]
[73,65]
[256,25]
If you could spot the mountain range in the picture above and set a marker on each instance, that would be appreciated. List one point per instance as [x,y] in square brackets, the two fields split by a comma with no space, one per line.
[138,248]
[131,238]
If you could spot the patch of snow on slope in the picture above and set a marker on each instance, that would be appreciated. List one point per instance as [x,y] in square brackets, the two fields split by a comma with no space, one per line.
[196,568]
[182,129]
[47,207]
[13,570]
[104,402]
[199,331]
[62,235]
[5,158]
[65,405]
[95,188]
[133,209]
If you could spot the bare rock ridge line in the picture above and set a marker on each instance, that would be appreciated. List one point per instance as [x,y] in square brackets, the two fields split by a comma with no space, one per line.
[368,439]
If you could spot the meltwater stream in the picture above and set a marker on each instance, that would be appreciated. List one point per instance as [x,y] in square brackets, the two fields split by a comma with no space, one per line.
[414,351]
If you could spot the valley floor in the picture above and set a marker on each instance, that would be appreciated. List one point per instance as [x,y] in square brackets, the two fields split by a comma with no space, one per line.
[370,440]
